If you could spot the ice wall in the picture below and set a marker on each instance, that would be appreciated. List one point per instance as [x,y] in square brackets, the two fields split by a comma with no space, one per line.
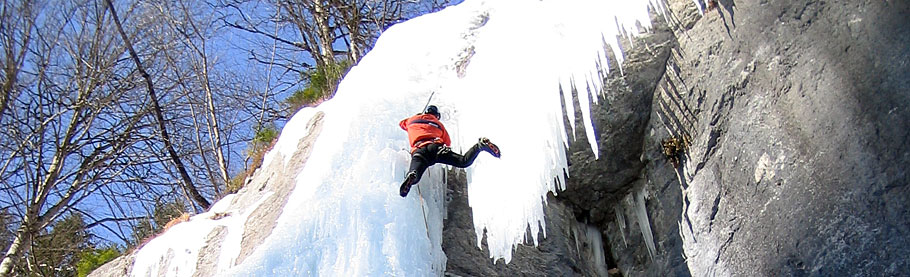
[499,69]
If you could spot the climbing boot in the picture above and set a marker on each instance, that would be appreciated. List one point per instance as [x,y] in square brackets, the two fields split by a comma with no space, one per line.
[408,182]
[488,146]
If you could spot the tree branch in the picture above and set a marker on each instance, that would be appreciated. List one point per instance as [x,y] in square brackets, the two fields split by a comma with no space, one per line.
[299,45]
[188,182]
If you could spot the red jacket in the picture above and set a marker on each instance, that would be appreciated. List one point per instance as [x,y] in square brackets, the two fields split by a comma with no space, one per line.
[424,129]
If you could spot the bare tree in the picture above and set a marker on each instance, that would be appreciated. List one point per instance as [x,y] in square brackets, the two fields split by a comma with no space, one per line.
[213,107]
[95,112]
[17,20]
[194,33]
[203,73]
[69,124]
[187,180]
[361,22]
[319,26]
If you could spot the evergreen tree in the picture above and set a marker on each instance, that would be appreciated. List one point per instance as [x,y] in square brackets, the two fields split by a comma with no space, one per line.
[56,252]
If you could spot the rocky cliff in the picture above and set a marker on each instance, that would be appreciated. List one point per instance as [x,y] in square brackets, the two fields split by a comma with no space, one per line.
[760,138]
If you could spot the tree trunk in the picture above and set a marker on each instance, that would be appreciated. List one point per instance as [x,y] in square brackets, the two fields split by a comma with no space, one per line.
[216,132]
[321,18]
[201,149]
[187,181]
[214,129]
[14,252]
[326,51]
[352,19]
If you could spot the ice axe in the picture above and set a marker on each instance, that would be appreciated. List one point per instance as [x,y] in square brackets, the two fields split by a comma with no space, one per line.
[428,102]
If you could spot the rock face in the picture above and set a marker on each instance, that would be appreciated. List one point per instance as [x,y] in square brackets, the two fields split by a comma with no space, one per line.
[796,114]
[799,114]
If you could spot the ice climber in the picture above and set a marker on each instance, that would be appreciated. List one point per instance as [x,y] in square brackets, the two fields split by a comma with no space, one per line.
[430,145]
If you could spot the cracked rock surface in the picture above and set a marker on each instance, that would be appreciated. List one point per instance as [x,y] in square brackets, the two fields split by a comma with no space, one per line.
[799,119]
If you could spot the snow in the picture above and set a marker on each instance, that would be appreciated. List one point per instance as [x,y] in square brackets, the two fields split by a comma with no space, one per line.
[182,242]
[290,136]
[499,69]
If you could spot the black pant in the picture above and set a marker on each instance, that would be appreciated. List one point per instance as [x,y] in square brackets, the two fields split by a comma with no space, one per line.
[434,153]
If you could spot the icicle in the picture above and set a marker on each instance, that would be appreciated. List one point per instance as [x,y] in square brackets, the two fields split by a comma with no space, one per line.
[621,220]
[596,243]
[661,9]
[585,105]
[575,233]
[701,9]
[642,213]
